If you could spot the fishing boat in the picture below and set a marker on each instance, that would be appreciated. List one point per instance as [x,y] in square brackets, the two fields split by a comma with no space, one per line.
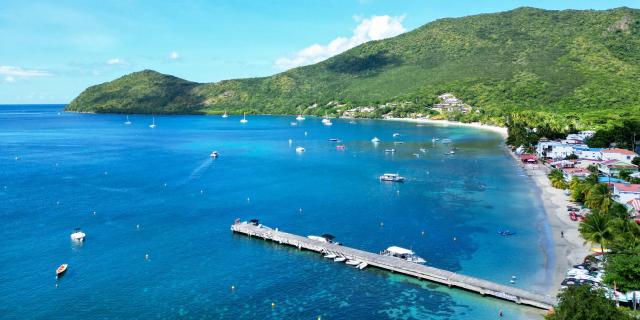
[375,139]
[402,253]
[390,150]
[391,177]
[78,235]
[214,154]
[128,121]
[244,118]
[153,123]
[61,270]
[299,149]
[225,114]
[340,259]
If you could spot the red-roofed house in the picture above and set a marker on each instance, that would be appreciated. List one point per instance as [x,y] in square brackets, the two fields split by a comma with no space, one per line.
[580,173]
[618,154]
[612,168]
[624,192]
[528,158]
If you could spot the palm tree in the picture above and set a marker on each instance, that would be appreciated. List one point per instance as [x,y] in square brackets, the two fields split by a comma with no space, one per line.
[599,197]
[596,229]
[557,179]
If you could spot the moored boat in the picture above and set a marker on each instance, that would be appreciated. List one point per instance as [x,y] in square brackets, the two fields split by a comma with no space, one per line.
[340,259]
[340,147]
[375,139]
[78,235]
[214,154]
[402,253]
[330,256]
[244,118]
[391,177]
[390,150]
[299,149]
[353,262]
[62,269]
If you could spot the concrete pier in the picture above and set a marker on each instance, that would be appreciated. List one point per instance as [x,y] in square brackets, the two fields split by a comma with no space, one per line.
[397,265]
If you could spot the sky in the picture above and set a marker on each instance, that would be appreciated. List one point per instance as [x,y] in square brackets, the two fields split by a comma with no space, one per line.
[52,50]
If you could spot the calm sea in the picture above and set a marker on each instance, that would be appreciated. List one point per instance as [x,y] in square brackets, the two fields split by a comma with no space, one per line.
[139,191]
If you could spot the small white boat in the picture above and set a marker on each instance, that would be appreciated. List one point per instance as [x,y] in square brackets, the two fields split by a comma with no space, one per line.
[402,253]
[62,269]
[244,118]
[214,154]
[353,262]
[417,155]
[325,120]
[225,114]
[293,123]
[423,150]
[78,235]
[396,135]
[362,265]
[330,256]
[300,117]
[318,238]
[128,121]
[398,142]
[390,150]
[446,141]
[391,177]
[153,123]
[340,259]
[299,149]
[375,139]
[450,152]
[434,139]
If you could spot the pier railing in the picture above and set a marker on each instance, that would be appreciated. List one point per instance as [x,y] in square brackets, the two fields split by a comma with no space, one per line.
[397,265]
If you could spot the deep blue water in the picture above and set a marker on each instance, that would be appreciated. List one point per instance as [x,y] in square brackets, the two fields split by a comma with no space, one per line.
[71,165]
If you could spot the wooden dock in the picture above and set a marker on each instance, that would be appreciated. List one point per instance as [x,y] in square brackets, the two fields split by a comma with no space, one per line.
[397,265]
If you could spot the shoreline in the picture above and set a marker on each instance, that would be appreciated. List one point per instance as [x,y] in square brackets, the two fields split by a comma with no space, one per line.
[568,250]
[500,130]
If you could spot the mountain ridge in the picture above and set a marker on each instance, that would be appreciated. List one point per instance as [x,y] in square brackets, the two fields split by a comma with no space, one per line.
[572,62]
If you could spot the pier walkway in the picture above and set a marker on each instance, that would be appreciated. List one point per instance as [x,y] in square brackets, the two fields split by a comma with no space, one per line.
[397,265]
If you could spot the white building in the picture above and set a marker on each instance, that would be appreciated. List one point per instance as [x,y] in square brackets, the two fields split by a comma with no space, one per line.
[589,153]
[557,149]
[618,154]
[623,192]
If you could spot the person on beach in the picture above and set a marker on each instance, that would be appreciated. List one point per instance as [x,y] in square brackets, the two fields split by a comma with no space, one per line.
[561,233]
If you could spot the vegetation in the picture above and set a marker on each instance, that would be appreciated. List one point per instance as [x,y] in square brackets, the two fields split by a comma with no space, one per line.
[582,303]
[546,72]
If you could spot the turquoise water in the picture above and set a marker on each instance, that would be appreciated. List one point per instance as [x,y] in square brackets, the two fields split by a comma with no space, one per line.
[157,192]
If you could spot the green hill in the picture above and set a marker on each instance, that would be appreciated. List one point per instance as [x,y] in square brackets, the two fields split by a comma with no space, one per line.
[584,65]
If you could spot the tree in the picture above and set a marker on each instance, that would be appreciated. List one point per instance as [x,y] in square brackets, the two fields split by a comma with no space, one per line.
[596,229]
[599,197]
[624,271]
[557,179]
[583,303]
[624,174]
[636,161]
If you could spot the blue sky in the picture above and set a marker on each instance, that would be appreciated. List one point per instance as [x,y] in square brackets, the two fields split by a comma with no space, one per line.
[52,50]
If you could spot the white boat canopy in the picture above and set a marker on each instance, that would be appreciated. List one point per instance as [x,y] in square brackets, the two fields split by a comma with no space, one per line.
[398,250]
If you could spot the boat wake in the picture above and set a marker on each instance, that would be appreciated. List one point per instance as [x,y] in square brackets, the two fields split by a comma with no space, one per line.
[199,171]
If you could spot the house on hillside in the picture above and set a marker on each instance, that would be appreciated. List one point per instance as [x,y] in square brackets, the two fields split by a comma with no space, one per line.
[633,206]
[612,168]
[618,154]
[528,158]
[556,149]
[589,153]
[624,192]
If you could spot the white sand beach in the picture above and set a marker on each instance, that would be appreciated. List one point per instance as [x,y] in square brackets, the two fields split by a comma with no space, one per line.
[501,130]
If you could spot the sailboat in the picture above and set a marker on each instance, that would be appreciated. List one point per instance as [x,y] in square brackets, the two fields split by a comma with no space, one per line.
[127,122]
[153,123]
[225,114]
[244,118]
[326,120]
[300,117]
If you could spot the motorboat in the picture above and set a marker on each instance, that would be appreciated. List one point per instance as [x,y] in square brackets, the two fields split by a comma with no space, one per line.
[402,253]
[214,154]
[353,262]
[300,118]
[153,123]
[61,270]
[299,149]
[375,139]
[390,150]
[434,139]
[340,259]
[325,238]
[128,121]
[450,152]
[244,118]
[340,147]
[325,120]
[417,155]
[362,265]
[396,135]
[423,150]
[225,114]
[446,141]
[506,233]
[334,139]
[391,177]
[293,123]
[330,256]
[327,123]
[318,238]
[398,142]
[78,235]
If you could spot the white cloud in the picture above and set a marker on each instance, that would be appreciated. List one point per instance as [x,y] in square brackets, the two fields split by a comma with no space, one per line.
[20,72]
[115,61]
[374,28]
[174,55]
